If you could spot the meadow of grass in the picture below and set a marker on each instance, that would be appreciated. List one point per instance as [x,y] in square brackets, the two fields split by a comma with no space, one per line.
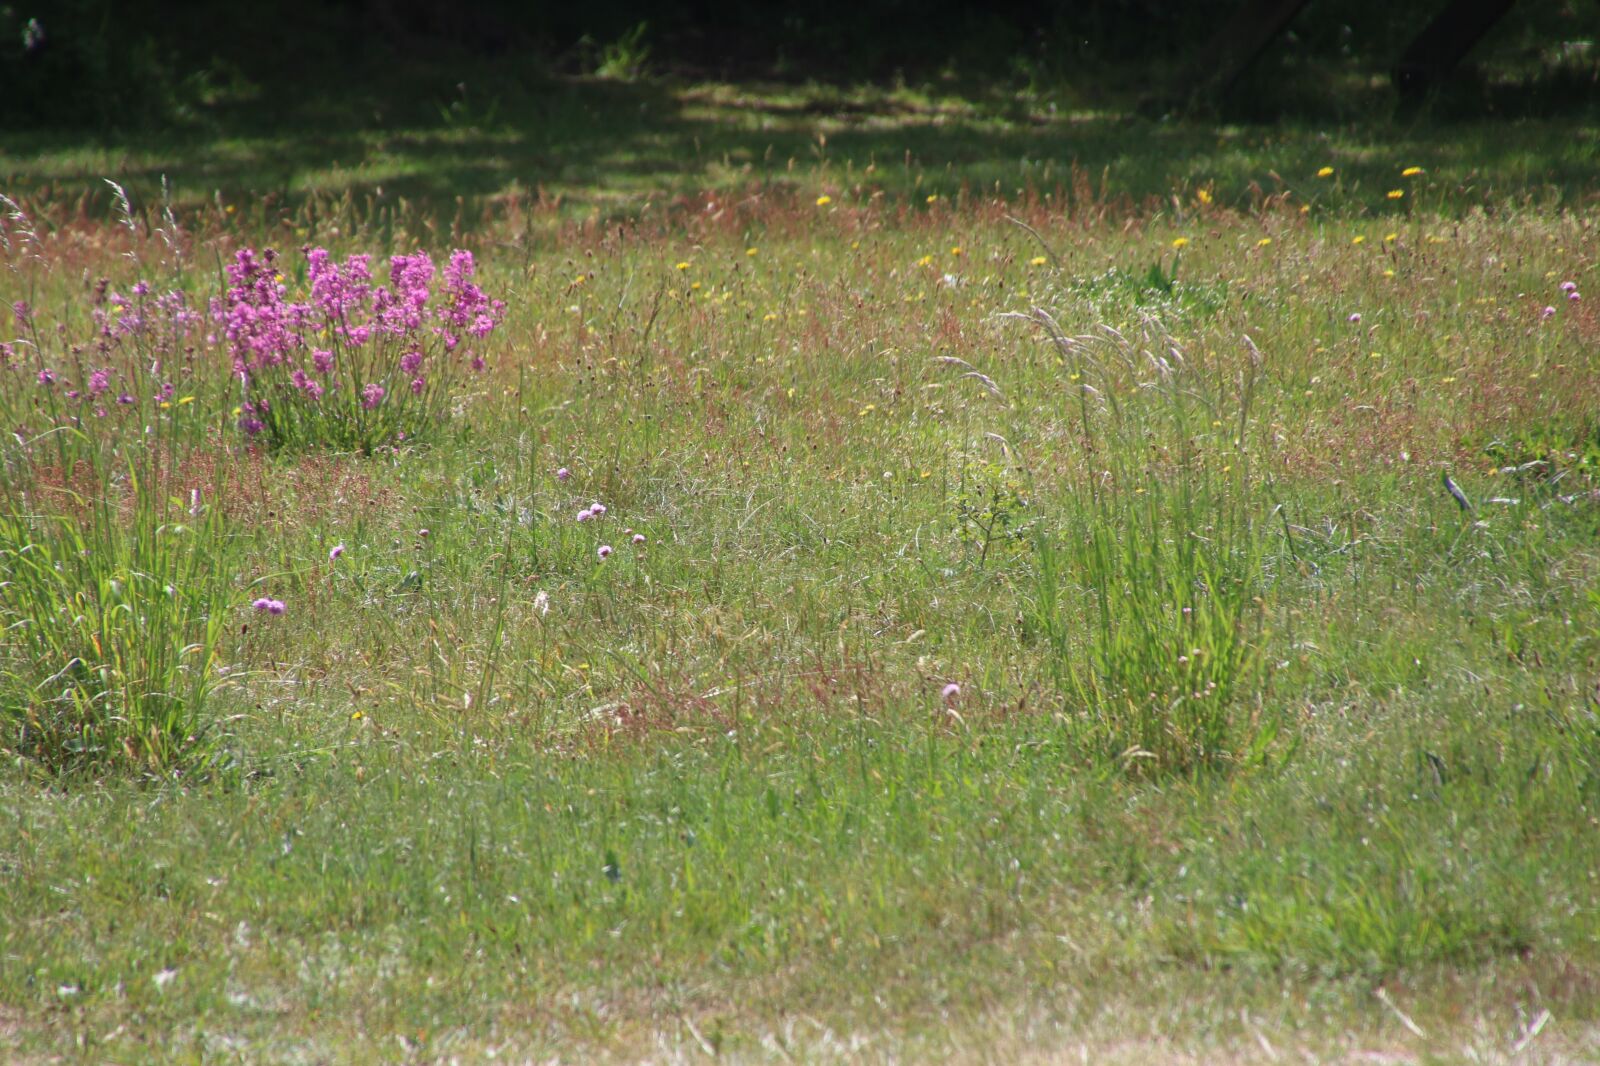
[1035,624]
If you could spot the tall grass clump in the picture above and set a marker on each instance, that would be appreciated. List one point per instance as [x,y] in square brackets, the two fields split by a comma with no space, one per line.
[1150,597]
[116,582]
[111,616]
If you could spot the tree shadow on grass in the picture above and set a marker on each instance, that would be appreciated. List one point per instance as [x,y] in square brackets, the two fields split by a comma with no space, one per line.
[607,147]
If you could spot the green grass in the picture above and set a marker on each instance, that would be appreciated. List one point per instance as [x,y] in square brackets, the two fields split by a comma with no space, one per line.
[479,792]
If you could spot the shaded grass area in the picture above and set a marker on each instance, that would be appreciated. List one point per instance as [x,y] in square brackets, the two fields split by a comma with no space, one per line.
[611,148]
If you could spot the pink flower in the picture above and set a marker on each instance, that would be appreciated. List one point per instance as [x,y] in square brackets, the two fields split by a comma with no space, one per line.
[563,474]
[338,550]
[372,395]
[638,538]
[951,692]
[1547,312]
[605,550]
[1569,286]
[585,514]
[422,532]
[1573,296]
[268,606]
[598,508]
[1355,317]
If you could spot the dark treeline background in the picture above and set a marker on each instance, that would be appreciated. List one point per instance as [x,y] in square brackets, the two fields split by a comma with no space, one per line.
[118,64]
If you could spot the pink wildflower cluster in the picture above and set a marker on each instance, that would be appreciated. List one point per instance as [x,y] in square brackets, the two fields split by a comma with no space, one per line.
[369,346]
[138,345]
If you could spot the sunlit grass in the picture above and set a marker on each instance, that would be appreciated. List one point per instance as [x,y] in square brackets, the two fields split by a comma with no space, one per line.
[485,789]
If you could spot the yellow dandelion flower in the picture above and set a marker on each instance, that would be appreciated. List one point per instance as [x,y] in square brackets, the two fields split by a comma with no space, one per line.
[1410,172]
[867,410]
[683,266]
[926,260]
[1180,243]
[1305,209]
[956,250]
[1038,261]
[1395,194]
[1357,239]
[749,251]
[933,197]
[186,399]
[1388,273]
[1204,196]
[231,209]
[1447,381]
[1325,172]
[1390,238]
[824,201]
[1263,242]
[695,285]
[278,278]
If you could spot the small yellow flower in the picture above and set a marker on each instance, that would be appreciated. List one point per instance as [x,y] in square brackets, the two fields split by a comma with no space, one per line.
[1395,194]
[1180,243]
[956,251]
[695,285]
[1410,172]
[1263,242]
[1390,238]
[824,201]
[749,251]
[165,404]
[231,209]
[926,260]
[1038,261]
[1447,381]
[1325,172]
[1357,239]
[186,399]
[278,278]
[769,317]
[933,197]
[683,266]
[1388,273]
[1204,196]
[867,410]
